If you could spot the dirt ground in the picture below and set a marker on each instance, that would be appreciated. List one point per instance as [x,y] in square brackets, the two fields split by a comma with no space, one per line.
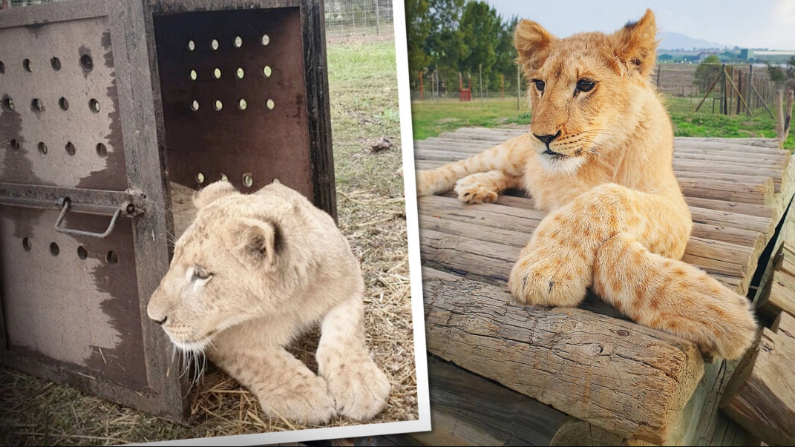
[371,213]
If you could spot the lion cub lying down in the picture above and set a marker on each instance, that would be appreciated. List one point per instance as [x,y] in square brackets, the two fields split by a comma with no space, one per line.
[249,275]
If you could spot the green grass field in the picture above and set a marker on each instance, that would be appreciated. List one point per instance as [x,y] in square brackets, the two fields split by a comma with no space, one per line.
[430,119]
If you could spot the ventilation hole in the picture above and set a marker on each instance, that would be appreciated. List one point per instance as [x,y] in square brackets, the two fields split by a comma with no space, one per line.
[217,73]
[200,178]
[248,180]
[218,105]
[214,44]
[238,42]
[102,151]
[193,75]
[240,73]
[270,104]
[224,178]
[82,253]
[54,250]
[56,63]
[242,104]
[36,105]
[64,103]
[14,144]
[194,106]
[86,62]
[8,104]
[70,148]
[26,65]
[2,68]
[93,105]
[267,71]
[191,45]
[112,258]
[26,244]
[42,149]
[265,39]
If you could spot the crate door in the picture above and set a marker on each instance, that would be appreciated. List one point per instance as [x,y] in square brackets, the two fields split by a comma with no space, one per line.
[73,304]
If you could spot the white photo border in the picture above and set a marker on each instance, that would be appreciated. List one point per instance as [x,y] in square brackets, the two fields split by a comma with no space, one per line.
[423,424]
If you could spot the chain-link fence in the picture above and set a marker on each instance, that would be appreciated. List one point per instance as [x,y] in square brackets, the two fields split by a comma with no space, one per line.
[465,86]
[358,17]
[343,17]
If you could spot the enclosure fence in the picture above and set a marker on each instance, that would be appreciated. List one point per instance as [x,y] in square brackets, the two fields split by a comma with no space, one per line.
[728,94]
[343,17]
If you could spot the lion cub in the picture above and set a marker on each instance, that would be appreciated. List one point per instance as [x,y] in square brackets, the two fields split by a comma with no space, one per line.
[252,273]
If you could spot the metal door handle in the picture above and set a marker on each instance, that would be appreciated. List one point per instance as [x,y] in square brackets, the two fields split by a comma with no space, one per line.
[65,210]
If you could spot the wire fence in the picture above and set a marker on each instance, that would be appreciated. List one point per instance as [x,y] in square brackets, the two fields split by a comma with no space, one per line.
[358,17]
[742,88]
[343,17]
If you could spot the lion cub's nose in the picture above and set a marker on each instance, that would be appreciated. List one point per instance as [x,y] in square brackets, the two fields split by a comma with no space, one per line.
[160,322]
[546,139]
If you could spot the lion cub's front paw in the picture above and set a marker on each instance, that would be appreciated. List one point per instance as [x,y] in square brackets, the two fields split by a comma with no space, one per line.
[476,188]
[309,403]
[360,389]
[547,282]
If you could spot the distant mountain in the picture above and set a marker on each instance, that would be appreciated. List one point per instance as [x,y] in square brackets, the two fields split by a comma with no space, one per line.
[675,41]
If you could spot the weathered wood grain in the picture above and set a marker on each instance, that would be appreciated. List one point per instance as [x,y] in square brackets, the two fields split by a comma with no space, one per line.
[622,377]
[761,394]
[578,433]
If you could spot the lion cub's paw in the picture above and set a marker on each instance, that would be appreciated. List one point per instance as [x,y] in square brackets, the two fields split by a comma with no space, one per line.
[309,403]
[729,326]
[476,188]
[360,389]
[425,183]
[547,281]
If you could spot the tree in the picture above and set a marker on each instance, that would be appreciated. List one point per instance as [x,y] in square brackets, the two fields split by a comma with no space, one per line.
[707,72]
[418,29]
[784,77]
[480,28]
[444,44]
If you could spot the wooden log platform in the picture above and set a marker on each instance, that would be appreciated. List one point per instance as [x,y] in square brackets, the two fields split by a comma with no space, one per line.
[591,363]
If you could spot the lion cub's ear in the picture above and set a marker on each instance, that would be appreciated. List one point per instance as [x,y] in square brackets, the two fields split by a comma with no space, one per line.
[213,192]
[532,43]
[256,239]
[635,44]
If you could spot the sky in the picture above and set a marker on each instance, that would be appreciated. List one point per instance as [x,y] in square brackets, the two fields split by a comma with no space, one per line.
[756,24]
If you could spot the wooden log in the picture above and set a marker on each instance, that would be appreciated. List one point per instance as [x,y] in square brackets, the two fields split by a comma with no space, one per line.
[754,194]
[469,410]
[761,393]
[782,295]
[784,325]
[622,377]
[577,433]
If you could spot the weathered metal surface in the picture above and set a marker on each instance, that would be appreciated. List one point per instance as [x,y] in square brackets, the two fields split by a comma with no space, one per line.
[234,112]
[60,123]
[71,299]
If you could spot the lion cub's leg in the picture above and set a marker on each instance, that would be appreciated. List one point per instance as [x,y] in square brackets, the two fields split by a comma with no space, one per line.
[283,384]
[673,296]
[358,386]
[509,157]
[485,186]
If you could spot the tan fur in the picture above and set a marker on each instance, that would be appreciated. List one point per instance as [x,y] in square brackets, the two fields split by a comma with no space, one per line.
[618,222]
[275,266]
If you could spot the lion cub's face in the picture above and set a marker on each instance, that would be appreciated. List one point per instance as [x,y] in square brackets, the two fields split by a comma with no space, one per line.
[222,272]
[581,87]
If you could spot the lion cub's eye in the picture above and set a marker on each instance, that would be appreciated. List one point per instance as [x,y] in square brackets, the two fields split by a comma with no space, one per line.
[585,85]
[200,273]
[539,84]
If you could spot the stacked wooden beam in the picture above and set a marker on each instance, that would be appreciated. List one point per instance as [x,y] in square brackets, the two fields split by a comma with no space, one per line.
[591,363]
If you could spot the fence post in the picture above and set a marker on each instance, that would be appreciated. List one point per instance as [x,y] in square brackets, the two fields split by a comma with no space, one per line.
[377,19]
[518,86]
[422,91]
[749,82]
[480,79]
[784,121]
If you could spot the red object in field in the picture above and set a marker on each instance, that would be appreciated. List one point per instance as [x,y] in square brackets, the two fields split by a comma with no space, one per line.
[466,94]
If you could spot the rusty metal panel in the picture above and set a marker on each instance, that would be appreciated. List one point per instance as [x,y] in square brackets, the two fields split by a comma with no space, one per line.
[60,121]
[234,101]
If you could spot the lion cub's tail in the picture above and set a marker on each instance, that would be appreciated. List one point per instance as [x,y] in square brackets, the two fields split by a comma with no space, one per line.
[673,296]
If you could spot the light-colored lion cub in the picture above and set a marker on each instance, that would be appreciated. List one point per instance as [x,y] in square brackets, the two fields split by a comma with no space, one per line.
[249,275]
[599,157]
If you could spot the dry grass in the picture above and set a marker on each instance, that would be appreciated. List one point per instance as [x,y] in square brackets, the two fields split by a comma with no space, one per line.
[371,213]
